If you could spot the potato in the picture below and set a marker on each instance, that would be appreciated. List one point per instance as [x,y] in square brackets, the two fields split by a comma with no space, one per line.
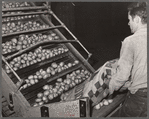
[43,73]
[70,85]
[110,100]
[62,83]
[25,86]
[45,76]
[61,90]
[35,105]
[30,77]
[80,80]
[66,50]
[76,61]
[73,64]
[44,98]
[59,70]
[97,106]
[68,81]
[51,91]
[69,65]
[41,103]
[76,81]
[55,95]
[50,97]
[56,37]
[54,90]
[35,76]
[38,60]
[73,83]
[19,47]
[46,93]
[36,81]
[59,79]
[50,37]
[38,100]
[37,73]
[40,76]
[28,84]
[65,81]
[34,61]
[53,72]
[15,68]
[26,80]
[40,95]
[23,61]
[78,72]
[66,87]
[43,58]
[46,87]
[47,56]
[32,81]
[46,101]
[27,63]
[8,71]
[63,87]
[54,65]
[73,78]
[105,102]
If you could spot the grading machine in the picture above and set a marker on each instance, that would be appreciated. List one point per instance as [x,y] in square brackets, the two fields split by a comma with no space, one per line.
[39,64]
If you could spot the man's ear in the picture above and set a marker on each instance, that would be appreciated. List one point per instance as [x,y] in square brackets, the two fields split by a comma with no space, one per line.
[137,19]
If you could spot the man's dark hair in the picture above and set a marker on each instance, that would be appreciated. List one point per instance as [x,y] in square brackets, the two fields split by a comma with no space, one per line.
[139,9]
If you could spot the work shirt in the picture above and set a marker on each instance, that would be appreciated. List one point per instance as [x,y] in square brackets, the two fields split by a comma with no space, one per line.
[132,63]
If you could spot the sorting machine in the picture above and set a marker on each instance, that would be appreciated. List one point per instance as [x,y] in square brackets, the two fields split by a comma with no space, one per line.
[39,64]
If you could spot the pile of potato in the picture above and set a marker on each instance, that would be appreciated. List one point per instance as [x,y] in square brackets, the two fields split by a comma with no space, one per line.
[14,4]
[31,58]
[50,92]
[103,102]
[7,19]
[50,71]
[25,41]
[11,27]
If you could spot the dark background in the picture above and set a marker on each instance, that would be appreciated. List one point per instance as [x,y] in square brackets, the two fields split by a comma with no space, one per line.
[99,26]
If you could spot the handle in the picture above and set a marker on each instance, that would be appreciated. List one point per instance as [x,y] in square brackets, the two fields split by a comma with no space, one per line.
[11,106]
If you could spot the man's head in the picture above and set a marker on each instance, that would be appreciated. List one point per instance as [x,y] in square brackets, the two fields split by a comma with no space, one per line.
[137,15]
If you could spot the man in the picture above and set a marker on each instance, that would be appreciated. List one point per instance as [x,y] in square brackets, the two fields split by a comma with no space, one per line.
[133,63]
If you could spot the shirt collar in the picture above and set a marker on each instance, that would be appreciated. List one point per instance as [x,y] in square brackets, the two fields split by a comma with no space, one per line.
[142,29]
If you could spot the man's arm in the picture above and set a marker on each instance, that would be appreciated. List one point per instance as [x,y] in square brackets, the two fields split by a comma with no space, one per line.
[124,67]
